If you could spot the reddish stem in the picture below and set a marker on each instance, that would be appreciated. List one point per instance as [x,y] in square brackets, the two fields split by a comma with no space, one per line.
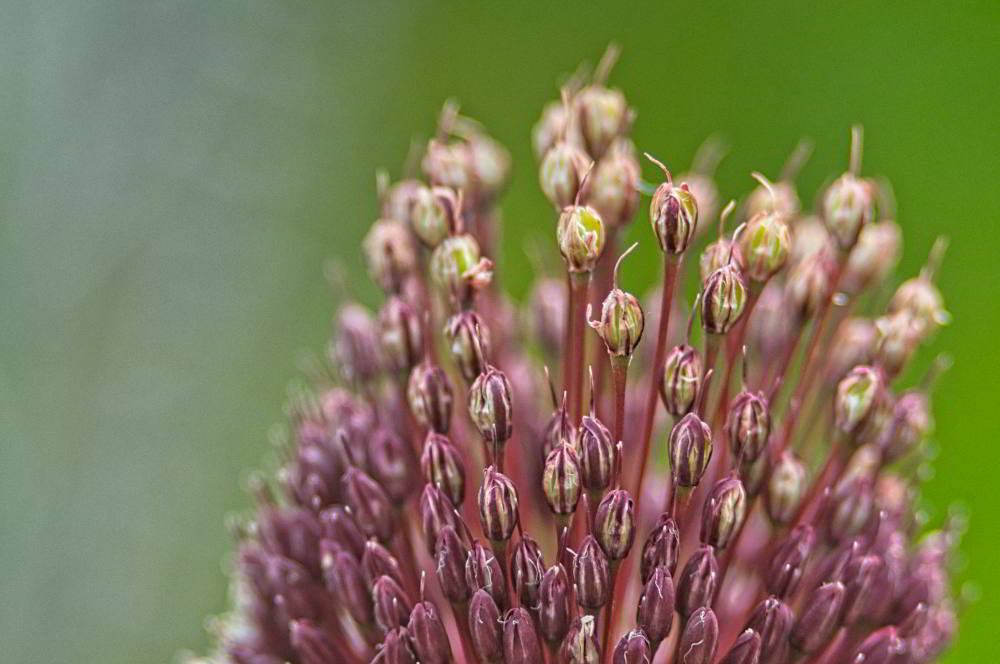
[579,284]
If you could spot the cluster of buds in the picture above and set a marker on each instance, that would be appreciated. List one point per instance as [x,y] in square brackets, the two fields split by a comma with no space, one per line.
[765,517]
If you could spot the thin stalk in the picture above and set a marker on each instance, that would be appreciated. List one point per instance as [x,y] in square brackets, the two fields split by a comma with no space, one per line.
[619,374]
[579,284]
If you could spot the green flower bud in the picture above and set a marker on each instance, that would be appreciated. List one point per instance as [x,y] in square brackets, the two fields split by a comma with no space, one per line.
[603,115]
[561,480]
[848,204]
[458,268]
[497,506]
[434,215]
[785,489]
[681,380]
[857,395]
[580,235]
[723,300]
[491,405]
[723,512]
[690,448]
[622,321]
[673,213]
[765,243]
[562,172]
[390,254]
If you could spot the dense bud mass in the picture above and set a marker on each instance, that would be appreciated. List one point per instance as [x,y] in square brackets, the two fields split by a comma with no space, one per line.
[802,539]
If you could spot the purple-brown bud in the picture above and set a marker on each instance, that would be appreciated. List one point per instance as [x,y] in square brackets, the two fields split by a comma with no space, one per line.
[853,345]
[580,645]
[819,619]
[621,323]
[809,283]
[345,579]
[396,648]
[745,650]
[554,611]
[874,256]
[559,430]
[772,619]
[483,572]
[436,513]
[866,585]
[883,646]
[849,508]
[673,213]
[848,204]
[748,425]
[661,547]
[521,644]
[614,524]
[697,582]
[428,635]
[491,405]
[591,574]
[468,342]
[765,243]
[581,237]
[700,638]
[724,299]
[527,567]
[430,398]
[484,627]
[400,334]
[719,254]
[369,504]
[912,422]
[497,505]
[681,381]
[434,215]
[341,528]
[442,467]
[377,562]
[355,348]
[858,394]
[561,480]
[786,567]
[690,449]
[458,268]
[390,254]
[392,607]
[633,648]
[561,173]
[612,188]
[596,454]
[655,613]
[723,512]
[785,489]
[311,643]
[450,558]
[391,460]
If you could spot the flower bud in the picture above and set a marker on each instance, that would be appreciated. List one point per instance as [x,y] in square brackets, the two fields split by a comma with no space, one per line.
[754,473]
[436,512]
[723,299]
[561,173]
[555,124]
[561,480]
[809,284]
[311,643]
[355,348]
[613,187]
[429,394]
[661,547]
[786,489]
[912,422]
[853,345]
[848,204]
[390,254]
[673,214]
[591,575]
[690,449]
[521,644]
[786,567]
[451,555]
[883,646]
[399,199]
[723,512]
[748,425]
[857,395]
[580,645]
[655,614]
[696,584]
[370,505]
[603,115]
[428,635]
[772,619]
[865,585]
[809,237]
[898,339]
[849,508]
[458,268]
[681,382]
[874,256]
[434,215]
[490,166]
[340,527]
[526,569]
[391,460]
[581,237]
[490,405]
[483,572]
[554,611]
[392,607]
[922,300]
[559,430]
[400,334]
[442,467]
[621,323]
[765,243]
[484,628]
[700,638]
[745,650]
[345,580]
[633,648]
[614,524]
[719,254]
[819,619]
[596,454]
[780,198]
[497,506]
[468,342]
[377,562]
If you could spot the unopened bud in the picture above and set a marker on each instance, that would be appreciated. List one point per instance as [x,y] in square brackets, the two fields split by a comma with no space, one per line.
[561,480]
[874,256]
[521,644]
[748,425]
[621,323]
[633,648]
[853,345]
[491,405]
[554,611]
[468,343]
[484,572]
[612,188]
[497,506]
[819,619]
[591,575]
[434,215]
[898,338]
[673,214]
[724,299]
[580,645]
[690,449]
[370,505]
[717,254]
[883,646]
[340,527]
[912,422]
[428,635]
[355,348]
[581,237]
[922,300]
[400,334]
[724,511]
[390,254]
[849,508]
[436,512]
[392,607]
[772,619]
[779,197]
[848,205]
[377,562]
[765,243]
[484,627]
[655,614]
[697,582]
[345,579]
[597,454]
[603,115]
[429,394]
[458,268]
[391,460]
[559,430]
[561,173]
[745,650]
[700,638]
[311,643]
[865,585]
[681,382]
[614,523]
[451,555]
[809,284]
[555,124]
[442,467]
[527,567]
[661,547]
[785,489]
[857,395]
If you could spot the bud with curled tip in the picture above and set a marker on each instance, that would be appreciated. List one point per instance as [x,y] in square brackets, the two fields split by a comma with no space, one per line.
[723,512]
[428,635]
[355,347]
[883,646]
[436,513]
[857,397]
[428,392]
[434,215]
[497,505]
[661,547]
[527,567]
[369,504]
[554,610]
[700,638]
[458,268]
[391,460]
[603,115]
[442,467]
[622,321]
[772,619]
[346,581]
[779,197]
[748,424]
[378,561]
[613,187]
[697,582]
[580,644]
[819,619]
[450,558]
[591,575]
[614,524]
[681,381]
[786,567]
[596,453]
[581,237]
[745,650]
[655,613]
[390,254]
[633,648]
[483,572]
[521,644]
[724,298]
[392,607]
[561,173]
[311,643]
[491,405]
[400,334]
[848,205]
[673,214]
[484,627]
[873,257]
[690,450]
[561,480]
[785,489]
[468,343]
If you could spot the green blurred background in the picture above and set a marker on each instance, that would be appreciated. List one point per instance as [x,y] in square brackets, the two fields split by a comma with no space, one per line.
[173,175]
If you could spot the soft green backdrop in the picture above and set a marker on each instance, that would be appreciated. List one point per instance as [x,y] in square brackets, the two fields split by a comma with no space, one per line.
[173,174]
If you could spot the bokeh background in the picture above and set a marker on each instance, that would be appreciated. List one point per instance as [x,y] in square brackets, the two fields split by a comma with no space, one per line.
[174,174]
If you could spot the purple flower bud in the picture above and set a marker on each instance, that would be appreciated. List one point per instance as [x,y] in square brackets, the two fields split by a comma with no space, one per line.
[396,648]
[883,646]
[442,467]
[673,214]
[497,506]
[700,638]
[527,567]
[745,650]
[370,506]
[521,644]
[450,560]
[848,509]
[612,188]
[392,606]
[293,533]
[391,460]
[772,620]
[484,627]
[355,348]
[690,449]
[621,323]
[717,254]
[581,237]
[429,395]
[633,648]
[597,453]
[580,645]
[390,254]
[614,524]
[853,345]
[785,489]
[765,243]
[696,585]
[591,575]
[681,380]
[484,572]
[468,343]
[848,205]
[311,644]
[434,214]
[428,635]
[819,619]
[378,561]
[561,173]
[788,563]
[724,298]
[865,586]
[346,581]
[339,526]
[554,611]
[661,547]
[400,334]
[459,269]
[490,405]
[559,430]
[603,115]
[655,614]
[723,512]
[809,283]
[436,512]
[561,480]
[912,421]
[857,398]
[748,425]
